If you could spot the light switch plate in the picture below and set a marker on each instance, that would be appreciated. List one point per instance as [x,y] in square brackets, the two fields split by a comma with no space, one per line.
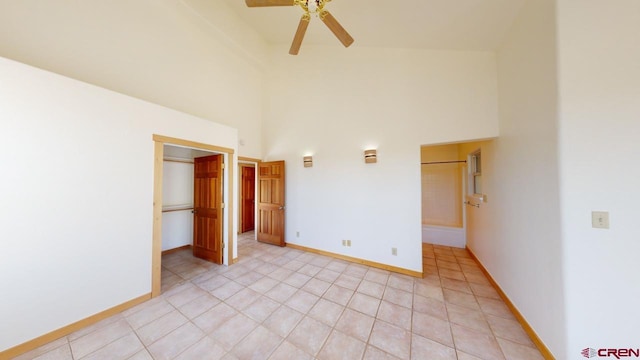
[600,219]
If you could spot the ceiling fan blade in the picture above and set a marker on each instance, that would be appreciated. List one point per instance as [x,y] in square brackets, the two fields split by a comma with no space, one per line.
[297,39]
[336,28]
[259,3]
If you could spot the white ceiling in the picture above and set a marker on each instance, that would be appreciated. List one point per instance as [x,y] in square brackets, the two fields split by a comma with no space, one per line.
[426,24]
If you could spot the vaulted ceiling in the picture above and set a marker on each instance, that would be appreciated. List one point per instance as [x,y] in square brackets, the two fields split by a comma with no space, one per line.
[427,24]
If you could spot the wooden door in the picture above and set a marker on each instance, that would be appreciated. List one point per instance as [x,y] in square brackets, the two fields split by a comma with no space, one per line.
[271,202]
[207,208]
[248,198]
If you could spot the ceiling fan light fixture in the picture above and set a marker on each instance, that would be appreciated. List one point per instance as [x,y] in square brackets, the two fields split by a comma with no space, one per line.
[309,7]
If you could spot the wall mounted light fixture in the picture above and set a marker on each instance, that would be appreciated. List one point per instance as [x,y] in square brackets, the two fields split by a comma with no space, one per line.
[308,161]
[370,156]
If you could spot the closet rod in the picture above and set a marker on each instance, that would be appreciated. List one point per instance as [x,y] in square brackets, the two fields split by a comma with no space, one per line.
[443,162]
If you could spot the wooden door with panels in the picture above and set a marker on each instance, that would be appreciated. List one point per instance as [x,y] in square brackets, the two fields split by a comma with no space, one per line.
[248,191]
[207,207]
[271,205]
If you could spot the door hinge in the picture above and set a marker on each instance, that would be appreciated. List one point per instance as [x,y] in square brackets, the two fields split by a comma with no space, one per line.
[223,245]
[223,165]
[223,205]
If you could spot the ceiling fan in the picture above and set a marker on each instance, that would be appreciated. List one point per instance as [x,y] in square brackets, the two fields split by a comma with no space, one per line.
[309,7]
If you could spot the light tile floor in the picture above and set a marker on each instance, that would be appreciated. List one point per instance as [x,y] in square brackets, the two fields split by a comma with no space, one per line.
[281,303]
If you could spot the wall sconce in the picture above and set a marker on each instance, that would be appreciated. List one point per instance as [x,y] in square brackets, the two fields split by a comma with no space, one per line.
[370,156]
[308,161]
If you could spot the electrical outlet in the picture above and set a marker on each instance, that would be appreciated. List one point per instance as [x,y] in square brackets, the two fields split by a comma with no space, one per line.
[344,242]
[394,251]
[297,234]
[349,243]
[600,219]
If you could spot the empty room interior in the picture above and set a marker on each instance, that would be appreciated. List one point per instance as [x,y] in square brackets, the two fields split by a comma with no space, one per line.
[263,179]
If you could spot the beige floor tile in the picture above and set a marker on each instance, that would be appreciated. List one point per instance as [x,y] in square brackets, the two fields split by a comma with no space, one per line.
[355,324]
[509,329]
[327,275]
[460,299]
[227,290]
[391,339]
[432,279]
[451,274]
[141,355]
[206,348]
[160,327]
[377,276]
[189,294]
[446,264]
[515,351]
[309,335]
[263,285]
[281,292]
[457,285]
[294,265]
[338,295]
[398,297]
[422,348]
[288,351]
[341,346]
[214,283]
[150,313]
[473,319]
[176,342]
[337,265]
[258,345]
[266,269]
[99,338]
[99,325]
[316,286]
[243,298]
[233,331]
[432,328]
[326,312]
[373,353]
[302,301]
[309,270]
[401,282]
[429,291]
[395,314]
[297,280]
[495,307]
[365,304]
[280,274]
[249,278]
[485,291]
[198,306]
[356,270]
[371,288]
[348,281]
[62,352]
[430,306]
[283,320]
[465,356]
[214,317]
[477,278]
[122,348]
[54,345]
[261,309]
[476,343]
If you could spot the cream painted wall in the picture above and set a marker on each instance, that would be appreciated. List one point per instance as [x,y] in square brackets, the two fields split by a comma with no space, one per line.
[335,104]
[516,234]
[76,190]
[207,63]
[599,77]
